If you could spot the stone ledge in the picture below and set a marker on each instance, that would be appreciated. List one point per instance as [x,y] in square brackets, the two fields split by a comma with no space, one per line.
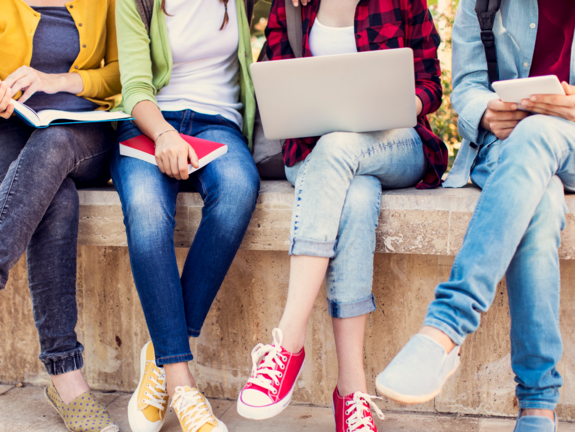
[425,222]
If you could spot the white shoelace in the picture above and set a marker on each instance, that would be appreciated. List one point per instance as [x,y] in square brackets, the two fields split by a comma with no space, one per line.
[155,394]
[358,422]
[193,419]
[272,354]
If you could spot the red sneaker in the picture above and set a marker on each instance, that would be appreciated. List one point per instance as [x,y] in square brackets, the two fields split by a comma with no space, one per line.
[270,388]
[353,414]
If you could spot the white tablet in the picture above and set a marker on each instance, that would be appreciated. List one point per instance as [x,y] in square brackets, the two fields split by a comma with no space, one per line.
[518,89]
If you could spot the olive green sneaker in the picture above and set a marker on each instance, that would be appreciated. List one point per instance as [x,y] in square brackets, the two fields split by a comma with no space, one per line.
[83,414]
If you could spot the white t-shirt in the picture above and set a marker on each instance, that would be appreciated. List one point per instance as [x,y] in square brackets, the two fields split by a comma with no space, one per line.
[324,40]
[206,70]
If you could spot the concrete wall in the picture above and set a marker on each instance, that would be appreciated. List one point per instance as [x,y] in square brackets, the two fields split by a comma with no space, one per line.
[249,305]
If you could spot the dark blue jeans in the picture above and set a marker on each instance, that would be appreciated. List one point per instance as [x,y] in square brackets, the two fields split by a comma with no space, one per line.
[39,211]
[176,308]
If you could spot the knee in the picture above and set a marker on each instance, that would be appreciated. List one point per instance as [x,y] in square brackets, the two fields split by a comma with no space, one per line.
[333,146]
[55,142]
[534,132]
[237,188]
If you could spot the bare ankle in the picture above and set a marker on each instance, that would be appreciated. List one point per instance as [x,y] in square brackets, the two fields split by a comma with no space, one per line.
[345,389]
[292,341]
[178,375]
[438,336]
[70,385]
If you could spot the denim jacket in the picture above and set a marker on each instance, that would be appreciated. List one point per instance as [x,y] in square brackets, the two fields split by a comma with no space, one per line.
[515,32]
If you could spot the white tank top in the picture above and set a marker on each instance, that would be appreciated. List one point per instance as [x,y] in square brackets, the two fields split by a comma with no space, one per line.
[206,70]
[324,40]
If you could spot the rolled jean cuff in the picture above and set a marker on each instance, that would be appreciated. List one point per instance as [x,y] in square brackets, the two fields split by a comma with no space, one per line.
[178,358]
[315,248]
[193,333]
[57,364]
[440,325]
[352,309]
[537,405]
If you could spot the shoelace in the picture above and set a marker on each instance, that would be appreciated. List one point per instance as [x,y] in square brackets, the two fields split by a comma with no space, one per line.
[358,422]
[193,408]
[272,354]
[155,394]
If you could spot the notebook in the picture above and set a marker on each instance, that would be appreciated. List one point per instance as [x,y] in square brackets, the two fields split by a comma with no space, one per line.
[142,147]
[45,118]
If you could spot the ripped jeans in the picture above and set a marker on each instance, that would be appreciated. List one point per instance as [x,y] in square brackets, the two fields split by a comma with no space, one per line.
[337,203]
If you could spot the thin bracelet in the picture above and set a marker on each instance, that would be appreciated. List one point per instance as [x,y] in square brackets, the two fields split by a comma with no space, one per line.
[162,133]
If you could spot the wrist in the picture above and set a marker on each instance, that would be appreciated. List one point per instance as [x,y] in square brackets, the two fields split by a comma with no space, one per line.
[163,133]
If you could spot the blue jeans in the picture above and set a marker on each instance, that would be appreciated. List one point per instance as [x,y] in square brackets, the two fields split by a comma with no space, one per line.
[175,308]
[337,205]
[515,231]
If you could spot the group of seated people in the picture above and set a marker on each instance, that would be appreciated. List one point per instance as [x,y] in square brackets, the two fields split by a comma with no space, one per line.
[186,72]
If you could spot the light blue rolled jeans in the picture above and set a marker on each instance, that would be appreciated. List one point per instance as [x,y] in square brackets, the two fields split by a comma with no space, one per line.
[515,231]
[337,202]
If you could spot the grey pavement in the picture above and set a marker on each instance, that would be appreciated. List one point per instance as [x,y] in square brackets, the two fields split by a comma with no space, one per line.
[25,409]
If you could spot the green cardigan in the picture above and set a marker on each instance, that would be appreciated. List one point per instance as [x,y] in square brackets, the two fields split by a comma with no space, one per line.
[146,61]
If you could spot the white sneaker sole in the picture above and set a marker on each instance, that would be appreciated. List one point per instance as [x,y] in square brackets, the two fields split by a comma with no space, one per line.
[268,411]
[133,405]
[411,400]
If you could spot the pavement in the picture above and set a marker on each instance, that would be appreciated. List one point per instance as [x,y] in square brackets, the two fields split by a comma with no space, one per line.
[25,409]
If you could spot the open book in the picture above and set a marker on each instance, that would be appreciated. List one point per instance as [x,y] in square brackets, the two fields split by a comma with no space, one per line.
[142,147]
[46,118]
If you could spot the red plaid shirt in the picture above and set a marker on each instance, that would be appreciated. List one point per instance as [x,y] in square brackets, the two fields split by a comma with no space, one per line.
[379,24]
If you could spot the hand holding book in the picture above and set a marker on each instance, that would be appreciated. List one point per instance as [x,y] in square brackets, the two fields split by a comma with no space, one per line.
[6,105]
[204,151]
[173,155]
[29,81]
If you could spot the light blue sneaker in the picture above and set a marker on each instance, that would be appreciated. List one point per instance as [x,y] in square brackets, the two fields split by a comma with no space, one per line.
[418,373]
[535,424]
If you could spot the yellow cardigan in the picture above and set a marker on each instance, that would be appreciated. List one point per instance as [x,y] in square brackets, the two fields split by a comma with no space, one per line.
[97,62]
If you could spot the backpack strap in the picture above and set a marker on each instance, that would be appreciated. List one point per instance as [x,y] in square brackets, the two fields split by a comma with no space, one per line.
[294,28]
[145,9]
[486,11]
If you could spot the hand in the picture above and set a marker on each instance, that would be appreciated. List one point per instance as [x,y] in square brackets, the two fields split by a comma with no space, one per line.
[501,118]
[303,2]
[553,105]
[31,81]
[6,106]
[173,154]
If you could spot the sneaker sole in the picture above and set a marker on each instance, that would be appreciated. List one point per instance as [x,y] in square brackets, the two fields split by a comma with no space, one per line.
[267,412]
[133,404]
[112,428]
[411,400]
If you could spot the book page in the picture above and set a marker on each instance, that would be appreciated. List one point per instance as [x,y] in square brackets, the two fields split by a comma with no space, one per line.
[27,112]
[48,116]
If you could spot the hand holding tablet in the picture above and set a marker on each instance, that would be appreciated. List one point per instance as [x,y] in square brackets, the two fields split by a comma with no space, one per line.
[539,95]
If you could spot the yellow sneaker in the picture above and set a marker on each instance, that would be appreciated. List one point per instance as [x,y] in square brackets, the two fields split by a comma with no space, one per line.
[148,404]
[195,412]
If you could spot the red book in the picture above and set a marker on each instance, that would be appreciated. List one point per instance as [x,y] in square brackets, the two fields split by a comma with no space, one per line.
[142,147]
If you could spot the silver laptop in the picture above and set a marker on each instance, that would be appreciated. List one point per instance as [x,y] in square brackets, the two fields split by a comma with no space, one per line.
[359,92]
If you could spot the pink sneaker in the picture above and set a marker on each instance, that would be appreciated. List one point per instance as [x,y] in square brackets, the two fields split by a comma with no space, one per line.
[353,414]
[269,390]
